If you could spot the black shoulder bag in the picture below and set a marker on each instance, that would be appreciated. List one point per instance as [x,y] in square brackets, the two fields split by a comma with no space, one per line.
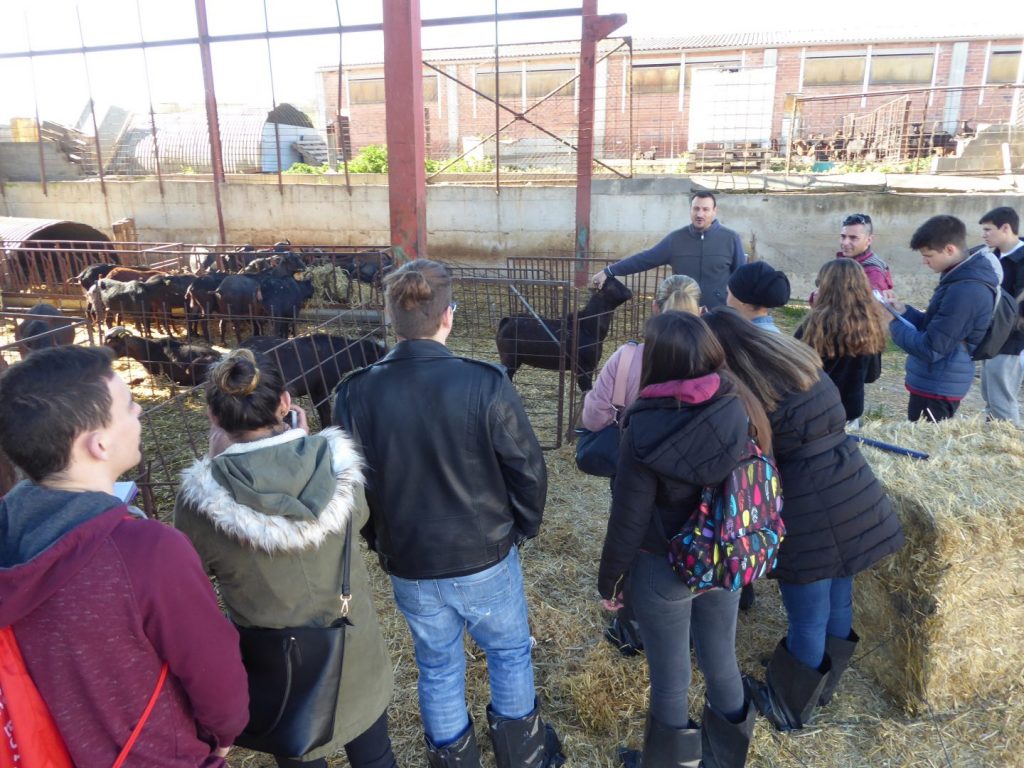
[294,680]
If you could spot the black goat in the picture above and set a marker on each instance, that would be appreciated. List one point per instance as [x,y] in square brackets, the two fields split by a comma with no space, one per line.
[314,365]
[524,340]
[184,364]
[28,332]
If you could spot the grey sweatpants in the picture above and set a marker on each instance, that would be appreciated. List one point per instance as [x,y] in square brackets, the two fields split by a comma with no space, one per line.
[663,606]
[1001,378]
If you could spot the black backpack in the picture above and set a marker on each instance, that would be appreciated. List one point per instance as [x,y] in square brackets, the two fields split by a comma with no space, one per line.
[1006,319]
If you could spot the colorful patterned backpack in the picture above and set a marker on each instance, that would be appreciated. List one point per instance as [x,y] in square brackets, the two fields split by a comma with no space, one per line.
[734,535]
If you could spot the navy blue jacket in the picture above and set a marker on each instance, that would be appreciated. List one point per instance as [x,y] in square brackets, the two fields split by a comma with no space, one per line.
[709,257]
[938,347]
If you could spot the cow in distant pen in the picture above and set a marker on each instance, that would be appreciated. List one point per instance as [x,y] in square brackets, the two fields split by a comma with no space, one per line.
[576,338]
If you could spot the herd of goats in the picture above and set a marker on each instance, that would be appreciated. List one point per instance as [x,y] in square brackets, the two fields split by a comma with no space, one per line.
[268,290]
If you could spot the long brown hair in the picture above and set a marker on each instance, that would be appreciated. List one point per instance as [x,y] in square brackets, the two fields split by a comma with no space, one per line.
[679,345]
[771,364]
[845,320]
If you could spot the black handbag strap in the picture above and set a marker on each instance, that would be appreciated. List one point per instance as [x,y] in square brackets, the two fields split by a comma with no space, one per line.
[346,569]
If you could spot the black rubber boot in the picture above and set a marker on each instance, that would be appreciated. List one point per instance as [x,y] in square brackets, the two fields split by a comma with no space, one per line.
[725,744]
[840,652]
[527,742]
[747,597]
[791,692]
[461,753]
[665,747]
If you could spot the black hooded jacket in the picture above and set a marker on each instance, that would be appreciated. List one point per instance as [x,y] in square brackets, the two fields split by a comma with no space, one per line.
[670,450]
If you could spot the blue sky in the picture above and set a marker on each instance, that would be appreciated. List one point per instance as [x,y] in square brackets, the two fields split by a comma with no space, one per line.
[241,70]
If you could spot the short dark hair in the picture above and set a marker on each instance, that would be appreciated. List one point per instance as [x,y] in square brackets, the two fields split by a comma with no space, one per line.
[1004,214]
[938,232]
[704,193]
[50,398]
[861,219]
[244,391]
[416,297]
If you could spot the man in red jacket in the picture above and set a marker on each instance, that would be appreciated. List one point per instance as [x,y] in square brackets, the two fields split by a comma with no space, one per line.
[99,597]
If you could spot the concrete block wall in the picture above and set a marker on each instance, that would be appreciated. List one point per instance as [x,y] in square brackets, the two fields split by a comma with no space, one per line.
[796,232]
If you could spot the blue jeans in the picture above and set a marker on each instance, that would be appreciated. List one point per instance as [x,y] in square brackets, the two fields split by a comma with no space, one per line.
[814,610]
[664,607]
[491,605]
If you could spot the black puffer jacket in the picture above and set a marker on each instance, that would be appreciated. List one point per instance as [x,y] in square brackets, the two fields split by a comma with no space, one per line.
[838,518]
[455,475]
[669,451]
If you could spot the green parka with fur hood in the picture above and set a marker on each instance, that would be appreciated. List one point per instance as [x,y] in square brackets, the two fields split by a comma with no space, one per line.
[268,519]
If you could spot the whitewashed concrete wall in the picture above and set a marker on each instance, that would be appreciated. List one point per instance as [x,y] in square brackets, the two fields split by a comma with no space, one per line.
[795,231]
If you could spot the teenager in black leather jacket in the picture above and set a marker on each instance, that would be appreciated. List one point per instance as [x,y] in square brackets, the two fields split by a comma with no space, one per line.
[455,479]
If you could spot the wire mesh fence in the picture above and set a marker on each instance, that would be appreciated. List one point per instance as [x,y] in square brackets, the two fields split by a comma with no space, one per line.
[175,427]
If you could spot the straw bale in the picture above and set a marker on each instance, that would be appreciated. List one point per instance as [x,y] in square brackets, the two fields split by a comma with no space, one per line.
[947,609]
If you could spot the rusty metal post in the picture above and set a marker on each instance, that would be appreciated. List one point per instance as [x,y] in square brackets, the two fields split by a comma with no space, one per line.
[149,96]
[273,102]
[212,120]
[594,28]
[35,100]
[403,76]
[497,107]
[792,133]
[92,105]
[338,133]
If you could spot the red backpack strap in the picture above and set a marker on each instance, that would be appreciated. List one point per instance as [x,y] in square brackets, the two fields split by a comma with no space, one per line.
[142,720]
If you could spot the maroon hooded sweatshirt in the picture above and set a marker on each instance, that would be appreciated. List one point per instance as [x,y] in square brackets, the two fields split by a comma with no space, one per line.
[98,599]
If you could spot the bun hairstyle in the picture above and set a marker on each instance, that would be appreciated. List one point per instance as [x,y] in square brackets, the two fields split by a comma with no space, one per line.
[678,293]
[416,296]
[244,391]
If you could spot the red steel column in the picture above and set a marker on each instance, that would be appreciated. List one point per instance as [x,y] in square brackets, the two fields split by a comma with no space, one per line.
[594,28]
[403,83]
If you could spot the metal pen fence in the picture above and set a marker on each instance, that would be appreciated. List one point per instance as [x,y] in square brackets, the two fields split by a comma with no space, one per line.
[965,129]
[175,428]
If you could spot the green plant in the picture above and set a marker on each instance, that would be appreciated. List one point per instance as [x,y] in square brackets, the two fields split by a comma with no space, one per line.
[372,158]
[188,170]
[303,168]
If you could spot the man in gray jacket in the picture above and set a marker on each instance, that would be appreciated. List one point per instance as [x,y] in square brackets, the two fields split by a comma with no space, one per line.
[705,250]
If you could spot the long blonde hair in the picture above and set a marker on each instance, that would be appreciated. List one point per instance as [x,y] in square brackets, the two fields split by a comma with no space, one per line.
[678,293]
[845,319]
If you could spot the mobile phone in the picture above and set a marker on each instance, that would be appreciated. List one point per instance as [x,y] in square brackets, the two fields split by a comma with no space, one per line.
[292,419]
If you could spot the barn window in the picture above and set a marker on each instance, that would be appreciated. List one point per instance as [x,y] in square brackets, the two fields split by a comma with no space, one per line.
[509,85]
[1003,66]
[913,68]
[541,82]
[656,78]
[691,65]
[430,89]
[368,90]
[834,70]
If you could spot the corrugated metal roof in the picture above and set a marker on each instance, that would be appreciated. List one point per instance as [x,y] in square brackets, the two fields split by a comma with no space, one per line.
[921,33]
[184,140]
[14,231]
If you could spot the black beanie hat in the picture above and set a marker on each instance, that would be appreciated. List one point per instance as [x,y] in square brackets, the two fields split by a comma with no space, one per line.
[760,284]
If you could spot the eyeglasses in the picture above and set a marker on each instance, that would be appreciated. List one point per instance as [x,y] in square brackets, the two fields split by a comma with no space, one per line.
[856,218]
[453,306]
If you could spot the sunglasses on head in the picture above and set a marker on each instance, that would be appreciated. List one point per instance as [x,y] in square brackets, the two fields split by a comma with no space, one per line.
[856,218]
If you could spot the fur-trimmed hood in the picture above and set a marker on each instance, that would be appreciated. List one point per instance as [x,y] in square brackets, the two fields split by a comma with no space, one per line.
[269,529]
